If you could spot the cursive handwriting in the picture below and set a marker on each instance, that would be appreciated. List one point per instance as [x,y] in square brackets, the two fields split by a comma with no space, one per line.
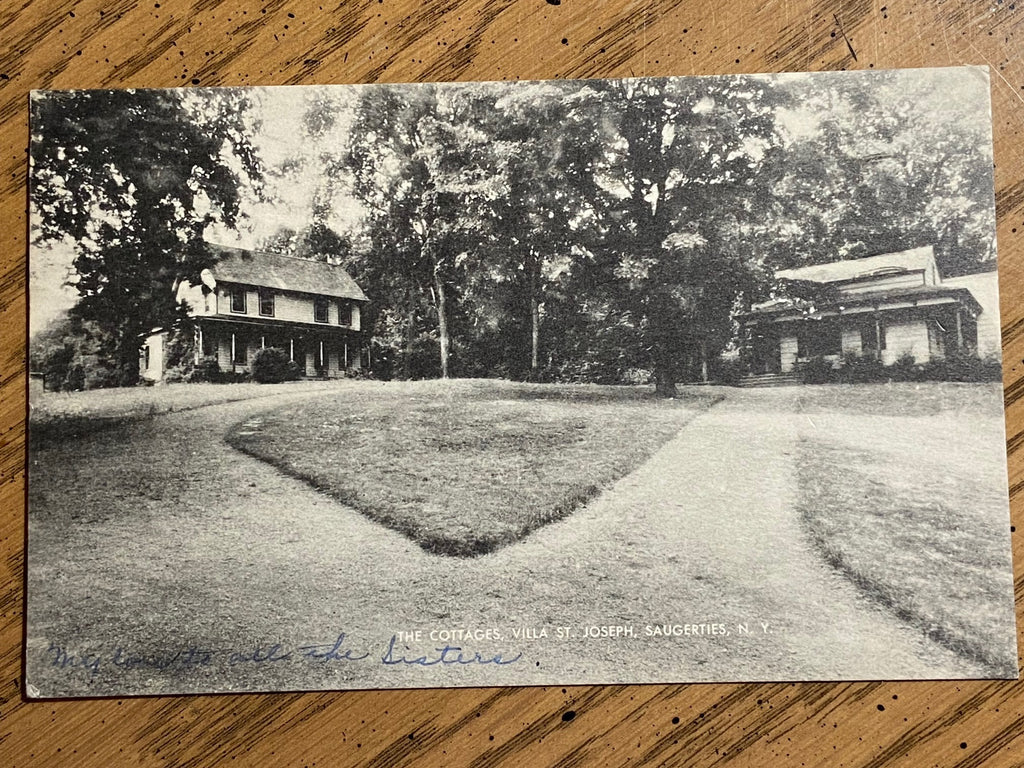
[260,655]
[448,654]
[64,660]
[188,658]
[340,650]
[332,652]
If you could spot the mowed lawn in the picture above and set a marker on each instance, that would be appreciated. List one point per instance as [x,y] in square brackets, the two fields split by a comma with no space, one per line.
[63,415]
[465,467]
[903,491]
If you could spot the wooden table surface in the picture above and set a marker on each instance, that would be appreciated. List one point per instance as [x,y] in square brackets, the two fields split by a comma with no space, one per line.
[121,43]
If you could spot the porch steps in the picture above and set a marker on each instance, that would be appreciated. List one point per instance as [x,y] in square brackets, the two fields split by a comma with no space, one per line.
[771,380]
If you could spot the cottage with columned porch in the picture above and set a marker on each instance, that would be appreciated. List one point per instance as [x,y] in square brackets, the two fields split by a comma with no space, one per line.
[251,300]
[885,307]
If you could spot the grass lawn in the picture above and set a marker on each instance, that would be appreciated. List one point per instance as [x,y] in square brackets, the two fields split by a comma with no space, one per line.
[913,511]
[58,415]
[464,467]
[951,399]
[930,398]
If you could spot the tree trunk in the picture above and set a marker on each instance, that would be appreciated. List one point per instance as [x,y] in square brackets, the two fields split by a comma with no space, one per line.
[442,325]
[664,383]
[410,332]
[534,315]
[703,361]
[127,358]
[663,336]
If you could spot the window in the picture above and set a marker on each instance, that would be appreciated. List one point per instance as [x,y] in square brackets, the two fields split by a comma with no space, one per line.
[868,340]
[819,338]
[319,310]
[238,300]
[344,313]
[267,303]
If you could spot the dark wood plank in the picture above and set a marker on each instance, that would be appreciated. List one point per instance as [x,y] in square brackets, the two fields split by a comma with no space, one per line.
[51,44]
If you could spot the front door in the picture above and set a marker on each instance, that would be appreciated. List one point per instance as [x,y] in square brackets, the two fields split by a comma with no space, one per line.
[765,356]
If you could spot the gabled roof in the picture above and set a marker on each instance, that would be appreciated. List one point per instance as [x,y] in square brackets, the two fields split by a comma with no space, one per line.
[851,269]
[284,273]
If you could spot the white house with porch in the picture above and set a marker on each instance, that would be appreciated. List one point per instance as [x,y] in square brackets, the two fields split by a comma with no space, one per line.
[255,299]
[886,306]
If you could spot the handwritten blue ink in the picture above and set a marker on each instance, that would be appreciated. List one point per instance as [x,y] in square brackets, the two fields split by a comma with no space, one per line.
[63,659]
[444,657]
[332,652]
[272,653]
[125,660]
[193,656]
[197,656]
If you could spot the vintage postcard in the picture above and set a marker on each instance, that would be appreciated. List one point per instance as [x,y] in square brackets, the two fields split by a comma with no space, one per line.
[487,384]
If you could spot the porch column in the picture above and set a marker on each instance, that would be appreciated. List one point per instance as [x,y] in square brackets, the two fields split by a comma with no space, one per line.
[346,355]
[263,342]
[199,344]
[321,353]
[233,358]
[878,338]
[959,330]
[291,350]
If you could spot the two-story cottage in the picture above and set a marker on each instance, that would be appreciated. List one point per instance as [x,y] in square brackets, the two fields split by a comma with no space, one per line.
[884,306]
[254,299]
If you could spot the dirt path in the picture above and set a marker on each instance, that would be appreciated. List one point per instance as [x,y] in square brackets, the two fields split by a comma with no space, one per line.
[210,570]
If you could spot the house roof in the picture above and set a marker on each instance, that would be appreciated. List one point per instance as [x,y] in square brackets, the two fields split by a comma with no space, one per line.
[284,273]
[851,269]
[908,293]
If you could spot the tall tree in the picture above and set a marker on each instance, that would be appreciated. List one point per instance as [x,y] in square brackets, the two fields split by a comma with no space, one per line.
[683,154]
[894,162]
[133,179]
[417,156]
[316,241]
[547,145]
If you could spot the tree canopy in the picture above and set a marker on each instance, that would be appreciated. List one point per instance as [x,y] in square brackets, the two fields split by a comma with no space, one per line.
[134,179]
[595,230]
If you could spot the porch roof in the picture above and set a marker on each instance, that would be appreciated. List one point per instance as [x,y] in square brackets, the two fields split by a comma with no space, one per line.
[881,301]
[272,324]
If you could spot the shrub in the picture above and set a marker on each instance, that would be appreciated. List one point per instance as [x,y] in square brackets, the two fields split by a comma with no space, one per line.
[271,366]
[732,370]
[207,369]
[818,370]
[233,377]
[866,369]
[905,368]
[180,355]
[963,366]
[862,369]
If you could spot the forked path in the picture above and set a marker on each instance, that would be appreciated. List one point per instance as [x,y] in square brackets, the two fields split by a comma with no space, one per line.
[199,546]
[707,530]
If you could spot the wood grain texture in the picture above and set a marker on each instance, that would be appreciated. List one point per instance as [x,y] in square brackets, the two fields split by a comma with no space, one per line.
[54,44]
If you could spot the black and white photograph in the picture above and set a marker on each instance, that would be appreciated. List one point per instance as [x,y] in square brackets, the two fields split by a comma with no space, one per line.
[691,379]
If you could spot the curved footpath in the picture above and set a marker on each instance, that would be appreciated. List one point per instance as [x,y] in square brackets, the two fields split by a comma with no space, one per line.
[192,567]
